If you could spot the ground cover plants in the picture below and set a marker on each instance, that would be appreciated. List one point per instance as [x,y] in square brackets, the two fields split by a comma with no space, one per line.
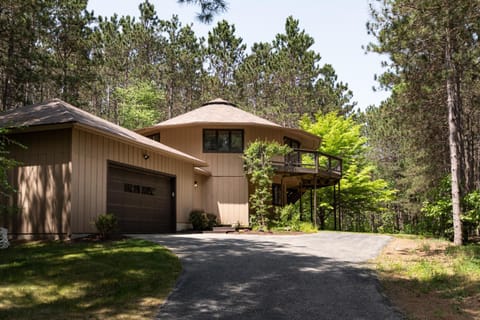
[432,279]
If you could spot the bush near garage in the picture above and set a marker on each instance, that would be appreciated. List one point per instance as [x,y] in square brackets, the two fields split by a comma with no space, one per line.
[202,221]
[106,225]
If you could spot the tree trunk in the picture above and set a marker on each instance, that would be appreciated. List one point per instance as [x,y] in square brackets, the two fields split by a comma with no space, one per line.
[455,136]
[321,218]
[469,156]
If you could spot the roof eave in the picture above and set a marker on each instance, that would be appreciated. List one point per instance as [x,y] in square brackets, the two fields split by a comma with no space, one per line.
[184,157]
[152,129]
[315,145]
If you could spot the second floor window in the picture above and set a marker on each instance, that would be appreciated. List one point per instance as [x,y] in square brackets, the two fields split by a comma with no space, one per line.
[222,140]
[293,158]
[155,136]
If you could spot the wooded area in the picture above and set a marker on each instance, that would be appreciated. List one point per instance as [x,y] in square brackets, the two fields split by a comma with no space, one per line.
[411,164]
[122,67]
[425,138]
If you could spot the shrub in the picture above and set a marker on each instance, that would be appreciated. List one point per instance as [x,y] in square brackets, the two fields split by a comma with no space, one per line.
[197,221]
[106,224]
[288,217]
[307,227]
[212,220]
[202,221]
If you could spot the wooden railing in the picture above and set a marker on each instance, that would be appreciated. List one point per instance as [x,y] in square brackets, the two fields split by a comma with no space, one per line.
[309,161]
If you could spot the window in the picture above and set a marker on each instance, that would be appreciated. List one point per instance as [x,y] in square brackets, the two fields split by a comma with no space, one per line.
[276,194]
[135,188]
[293,158]
[155,137]
[294,144]
[223,140]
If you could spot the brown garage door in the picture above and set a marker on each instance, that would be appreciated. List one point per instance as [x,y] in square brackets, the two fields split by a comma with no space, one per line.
[142,200]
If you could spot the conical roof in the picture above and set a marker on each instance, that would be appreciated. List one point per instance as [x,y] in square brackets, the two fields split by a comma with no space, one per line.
[222,113]
[217,111]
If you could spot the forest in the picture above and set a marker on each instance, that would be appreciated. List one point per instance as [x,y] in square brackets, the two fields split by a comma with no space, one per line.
[411,164]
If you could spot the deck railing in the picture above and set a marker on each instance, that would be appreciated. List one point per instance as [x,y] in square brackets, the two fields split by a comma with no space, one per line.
[309,161]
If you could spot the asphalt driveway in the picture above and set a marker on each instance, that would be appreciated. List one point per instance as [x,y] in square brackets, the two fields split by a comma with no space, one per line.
[317,276]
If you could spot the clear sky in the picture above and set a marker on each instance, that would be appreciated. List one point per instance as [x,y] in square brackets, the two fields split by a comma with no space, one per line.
[338,27]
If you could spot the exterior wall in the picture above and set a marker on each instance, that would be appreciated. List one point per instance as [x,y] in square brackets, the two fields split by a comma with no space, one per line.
[90,155]
[43,180]
[225,193]
[199,192]
[230,199]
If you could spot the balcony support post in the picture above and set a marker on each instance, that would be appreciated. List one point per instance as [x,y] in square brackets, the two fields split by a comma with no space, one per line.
[339,209]
[314,200]
[311,204]
[335,207]
[301,204]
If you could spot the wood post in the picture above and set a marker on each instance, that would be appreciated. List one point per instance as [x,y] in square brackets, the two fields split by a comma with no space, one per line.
[339,209]
[334,207]
[315,200]
[311,205]
[301,204]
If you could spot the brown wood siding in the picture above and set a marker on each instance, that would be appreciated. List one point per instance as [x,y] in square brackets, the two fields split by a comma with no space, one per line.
[225,193]
[230,199]
[43,181]
[90,154]
[199,192]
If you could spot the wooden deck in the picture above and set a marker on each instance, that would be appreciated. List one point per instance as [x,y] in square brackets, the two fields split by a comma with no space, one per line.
[315,168]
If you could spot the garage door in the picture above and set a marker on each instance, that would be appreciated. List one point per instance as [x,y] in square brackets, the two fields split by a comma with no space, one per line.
[143,201]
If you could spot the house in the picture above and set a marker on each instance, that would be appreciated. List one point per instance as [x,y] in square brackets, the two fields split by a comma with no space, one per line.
[77,166]
[217,133]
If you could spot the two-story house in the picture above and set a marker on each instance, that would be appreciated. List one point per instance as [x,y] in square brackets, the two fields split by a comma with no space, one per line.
[74,166]
[217,133]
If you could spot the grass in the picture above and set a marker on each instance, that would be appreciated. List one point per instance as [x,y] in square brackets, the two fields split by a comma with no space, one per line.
[125,279]
[430,279]
[299,226]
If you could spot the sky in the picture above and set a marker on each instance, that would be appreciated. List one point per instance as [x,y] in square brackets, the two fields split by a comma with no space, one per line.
[338,28]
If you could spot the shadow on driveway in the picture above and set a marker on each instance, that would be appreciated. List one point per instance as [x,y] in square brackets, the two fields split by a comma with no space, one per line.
[268,277]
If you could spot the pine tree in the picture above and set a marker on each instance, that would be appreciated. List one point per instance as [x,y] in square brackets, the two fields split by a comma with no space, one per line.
[431,45]
[183,68]
[225,53]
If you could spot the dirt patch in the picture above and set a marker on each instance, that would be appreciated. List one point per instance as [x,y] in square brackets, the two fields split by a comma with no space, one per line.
[406,292]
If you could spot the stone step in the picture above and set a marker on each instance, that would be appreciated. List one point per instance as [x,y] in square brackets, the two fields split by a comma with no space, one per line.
[223,229]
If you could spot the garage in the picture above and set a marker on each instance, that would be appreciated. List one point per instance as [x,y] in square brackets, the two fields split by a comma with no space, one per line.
[142,200]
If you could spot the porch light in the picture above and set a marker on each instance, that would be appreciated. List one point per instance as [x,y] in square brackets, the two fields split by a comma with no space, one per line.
[146,156]
[195,184]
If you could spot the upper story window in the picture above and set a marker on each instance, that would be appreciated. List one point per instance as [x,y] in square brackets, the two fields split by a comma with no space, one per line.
[293,158]
[222,140]
[155,136]
[294,144]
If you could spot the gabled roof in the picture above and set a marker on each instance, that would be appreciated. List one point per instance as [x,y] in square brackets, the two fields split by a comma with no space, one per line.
[219,112]
[56,111]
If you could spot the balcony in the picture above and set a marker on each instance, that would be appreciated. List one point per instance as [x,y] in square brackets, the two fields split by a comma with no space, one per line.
[310,165]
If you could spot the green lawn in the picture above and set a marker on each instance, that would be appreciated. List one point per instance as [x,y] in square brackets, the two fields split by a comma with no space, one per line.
[125,279]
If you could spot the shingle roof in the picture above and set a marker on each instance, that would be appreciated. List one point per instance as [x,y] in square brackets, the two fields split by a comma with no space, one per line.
[223,113]
[57,111]
[217,111]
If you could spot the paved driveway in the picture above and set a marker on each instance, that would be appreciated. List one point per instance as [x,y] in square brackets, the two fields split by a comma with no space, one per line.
[319,276]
